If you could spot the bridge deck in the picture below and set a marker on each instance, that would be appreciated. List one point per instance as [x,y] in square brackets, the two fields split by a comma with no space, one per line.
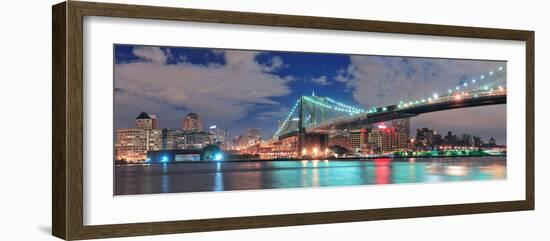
[392,113]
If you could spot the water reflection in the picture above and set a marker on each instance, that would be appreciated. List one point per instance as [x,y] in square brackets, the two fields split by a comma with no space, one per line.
[196,177]
[218,185]
[382,170]
[165,179]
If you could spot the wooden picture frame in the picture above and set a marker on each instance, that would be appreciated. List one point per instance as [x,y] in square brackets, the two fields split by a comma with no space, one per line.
[67,100]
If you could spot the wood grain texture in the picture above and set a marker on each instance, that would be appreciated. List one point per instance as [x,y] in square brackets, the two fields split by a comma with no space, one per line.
[75,125]
[530,120]
[67,100]
[59,182]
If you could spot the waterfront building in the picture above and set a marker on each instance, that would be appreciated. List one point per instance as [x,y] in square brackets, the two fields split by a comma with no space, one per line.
[289,146]
[358,139]
[168,139]
[466,140]
[240,142]
[254,135]
[341,140]
[154,139]
[132,144]
[192,123]
[275,148]
[195,140]
[401,132]
[380,139]
[184,140]
[144,121]
[401,140]
[402,126]
[219,136]
[450,139]
[172,156]
[180,139]
[251,137]
[425,138]
[477,141]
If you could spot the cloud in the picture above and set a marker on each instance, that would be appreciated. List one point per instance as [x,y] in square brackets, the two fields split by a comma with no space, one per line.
[321,80]
[346,75]
[153,54]
[378,80]
[218,93]
[273,114]
[274,64]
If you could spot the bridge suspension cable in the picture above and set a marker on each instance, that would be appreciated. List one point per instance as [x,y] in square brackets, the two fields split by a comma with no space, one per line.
[473,86]
[285,122]
[463,88]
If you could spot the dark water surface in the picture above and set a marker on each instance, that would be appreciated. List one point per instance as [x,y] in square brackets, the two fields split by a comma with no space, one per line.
[224,176]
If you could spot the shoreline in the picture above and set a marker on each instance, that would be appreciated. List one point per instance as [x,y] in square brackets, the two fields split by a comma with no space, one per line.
[397,159]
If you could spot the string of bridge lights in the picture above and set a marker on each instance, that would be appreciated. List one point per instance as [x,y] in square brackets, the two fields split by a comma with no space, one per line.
[288,117]
[459,90]
[344,108]
[357,110]
[402,104]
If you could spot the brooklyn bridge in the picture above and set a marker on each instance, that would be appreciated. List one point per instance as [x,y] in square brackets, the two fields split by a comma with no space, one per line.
[313,119]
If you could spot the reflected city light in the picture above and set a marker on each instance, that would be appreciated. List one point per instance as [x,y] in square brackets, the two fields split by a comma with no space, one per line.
[291,174]
[218,178]
[382,170]
[496,171]
[456,170]
[314,163]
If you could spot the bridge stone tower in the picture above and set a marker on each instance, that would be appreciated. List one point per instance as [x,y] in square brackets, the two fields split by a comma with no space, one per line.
[311,111]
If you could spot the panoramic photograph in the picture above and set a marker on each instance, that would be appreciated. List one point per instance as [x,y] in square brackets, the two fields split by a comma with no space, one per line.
[190,119]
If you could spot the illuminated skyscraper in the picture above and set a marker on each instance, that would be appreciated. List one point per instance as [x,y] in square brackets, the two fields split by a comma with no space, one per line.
[400,133]
[153,121]
[219,136]
[357,139]
[132,144]
[402,126]
[192,123]
[184,140]
[380,138]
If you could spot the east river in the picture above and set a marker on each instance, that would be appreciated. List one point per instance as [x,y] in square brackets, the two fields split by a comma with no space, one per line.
[249,175]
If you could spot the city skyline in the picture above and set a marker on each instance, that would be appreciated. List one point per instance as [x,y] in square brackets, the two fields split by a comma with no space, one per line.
[412,131]
[270,81]
[201,119]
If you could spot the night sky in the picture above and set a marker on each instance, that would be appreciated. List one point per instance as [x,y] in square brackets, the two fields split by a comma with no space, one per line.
[237,89]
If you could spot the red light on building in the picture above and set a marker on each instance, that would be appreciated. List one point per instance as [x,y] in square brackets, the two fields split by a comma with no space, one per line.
[382,126]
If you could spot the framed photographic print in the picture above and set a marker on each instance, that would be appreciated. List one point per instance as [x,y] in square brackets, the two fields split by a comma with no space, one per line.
[171,120]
